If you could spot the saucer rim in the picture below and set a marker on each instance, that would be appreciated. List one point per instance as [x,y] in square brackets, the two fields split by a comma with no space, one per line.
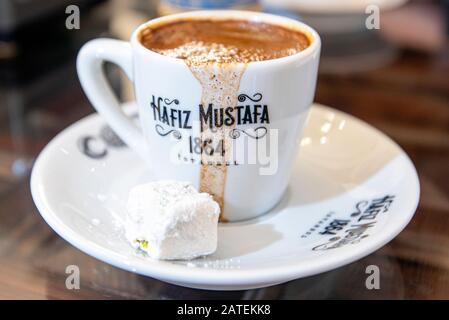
[330,9]
[171,272]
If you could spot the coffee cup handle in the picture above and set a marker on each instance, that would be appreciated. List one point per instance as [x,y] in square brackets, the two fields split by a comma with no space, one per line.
[89,65]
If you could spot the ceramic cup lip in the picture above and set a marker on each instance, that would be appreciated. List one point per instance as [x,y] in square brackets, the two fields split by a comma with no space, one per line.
[218,15]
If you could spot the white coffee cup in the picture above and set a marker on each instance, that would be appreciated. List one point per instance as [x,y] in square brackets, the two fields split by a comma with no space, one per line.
[286,86]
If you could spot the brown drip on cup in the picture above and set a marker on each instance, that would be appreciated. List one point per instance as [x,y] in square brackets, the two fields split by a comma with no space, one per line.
[220,85]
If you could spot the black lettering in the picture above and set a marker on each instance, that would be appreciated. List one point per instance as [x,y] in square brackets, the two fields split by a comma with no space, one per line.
[256,112]
[230,120]
[218,117]
[186,119]
[239,116]
[164,118]
[247,118]
[206,117]
[265,118]
[173,117]
[156,108]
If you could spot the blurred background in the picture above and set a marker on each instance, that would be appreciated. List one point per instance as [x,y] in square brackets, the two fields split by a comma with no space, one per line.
[394,75]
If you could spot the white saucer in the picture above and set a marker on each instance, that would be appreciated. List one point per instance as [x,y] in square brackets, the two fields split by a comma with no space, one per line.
[343,166]
[331,17]
[333,6]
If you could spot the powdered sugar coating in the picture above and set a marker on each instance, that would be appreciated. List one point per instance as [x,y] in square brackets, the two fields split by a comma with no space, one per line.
[201,53]
[171,220]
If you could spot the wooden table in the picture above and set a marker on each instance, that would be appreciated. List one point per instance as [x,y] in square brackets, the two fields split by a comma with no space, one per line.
[408,100]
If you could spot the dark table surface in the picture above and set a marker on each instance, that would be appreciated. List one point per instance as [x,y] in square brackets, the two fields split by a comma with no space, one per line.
[407,99]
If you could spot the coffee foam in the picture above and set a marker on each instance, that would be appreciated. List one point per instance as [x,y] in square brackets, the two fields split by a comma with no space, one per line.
[200,53]
[225,41]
